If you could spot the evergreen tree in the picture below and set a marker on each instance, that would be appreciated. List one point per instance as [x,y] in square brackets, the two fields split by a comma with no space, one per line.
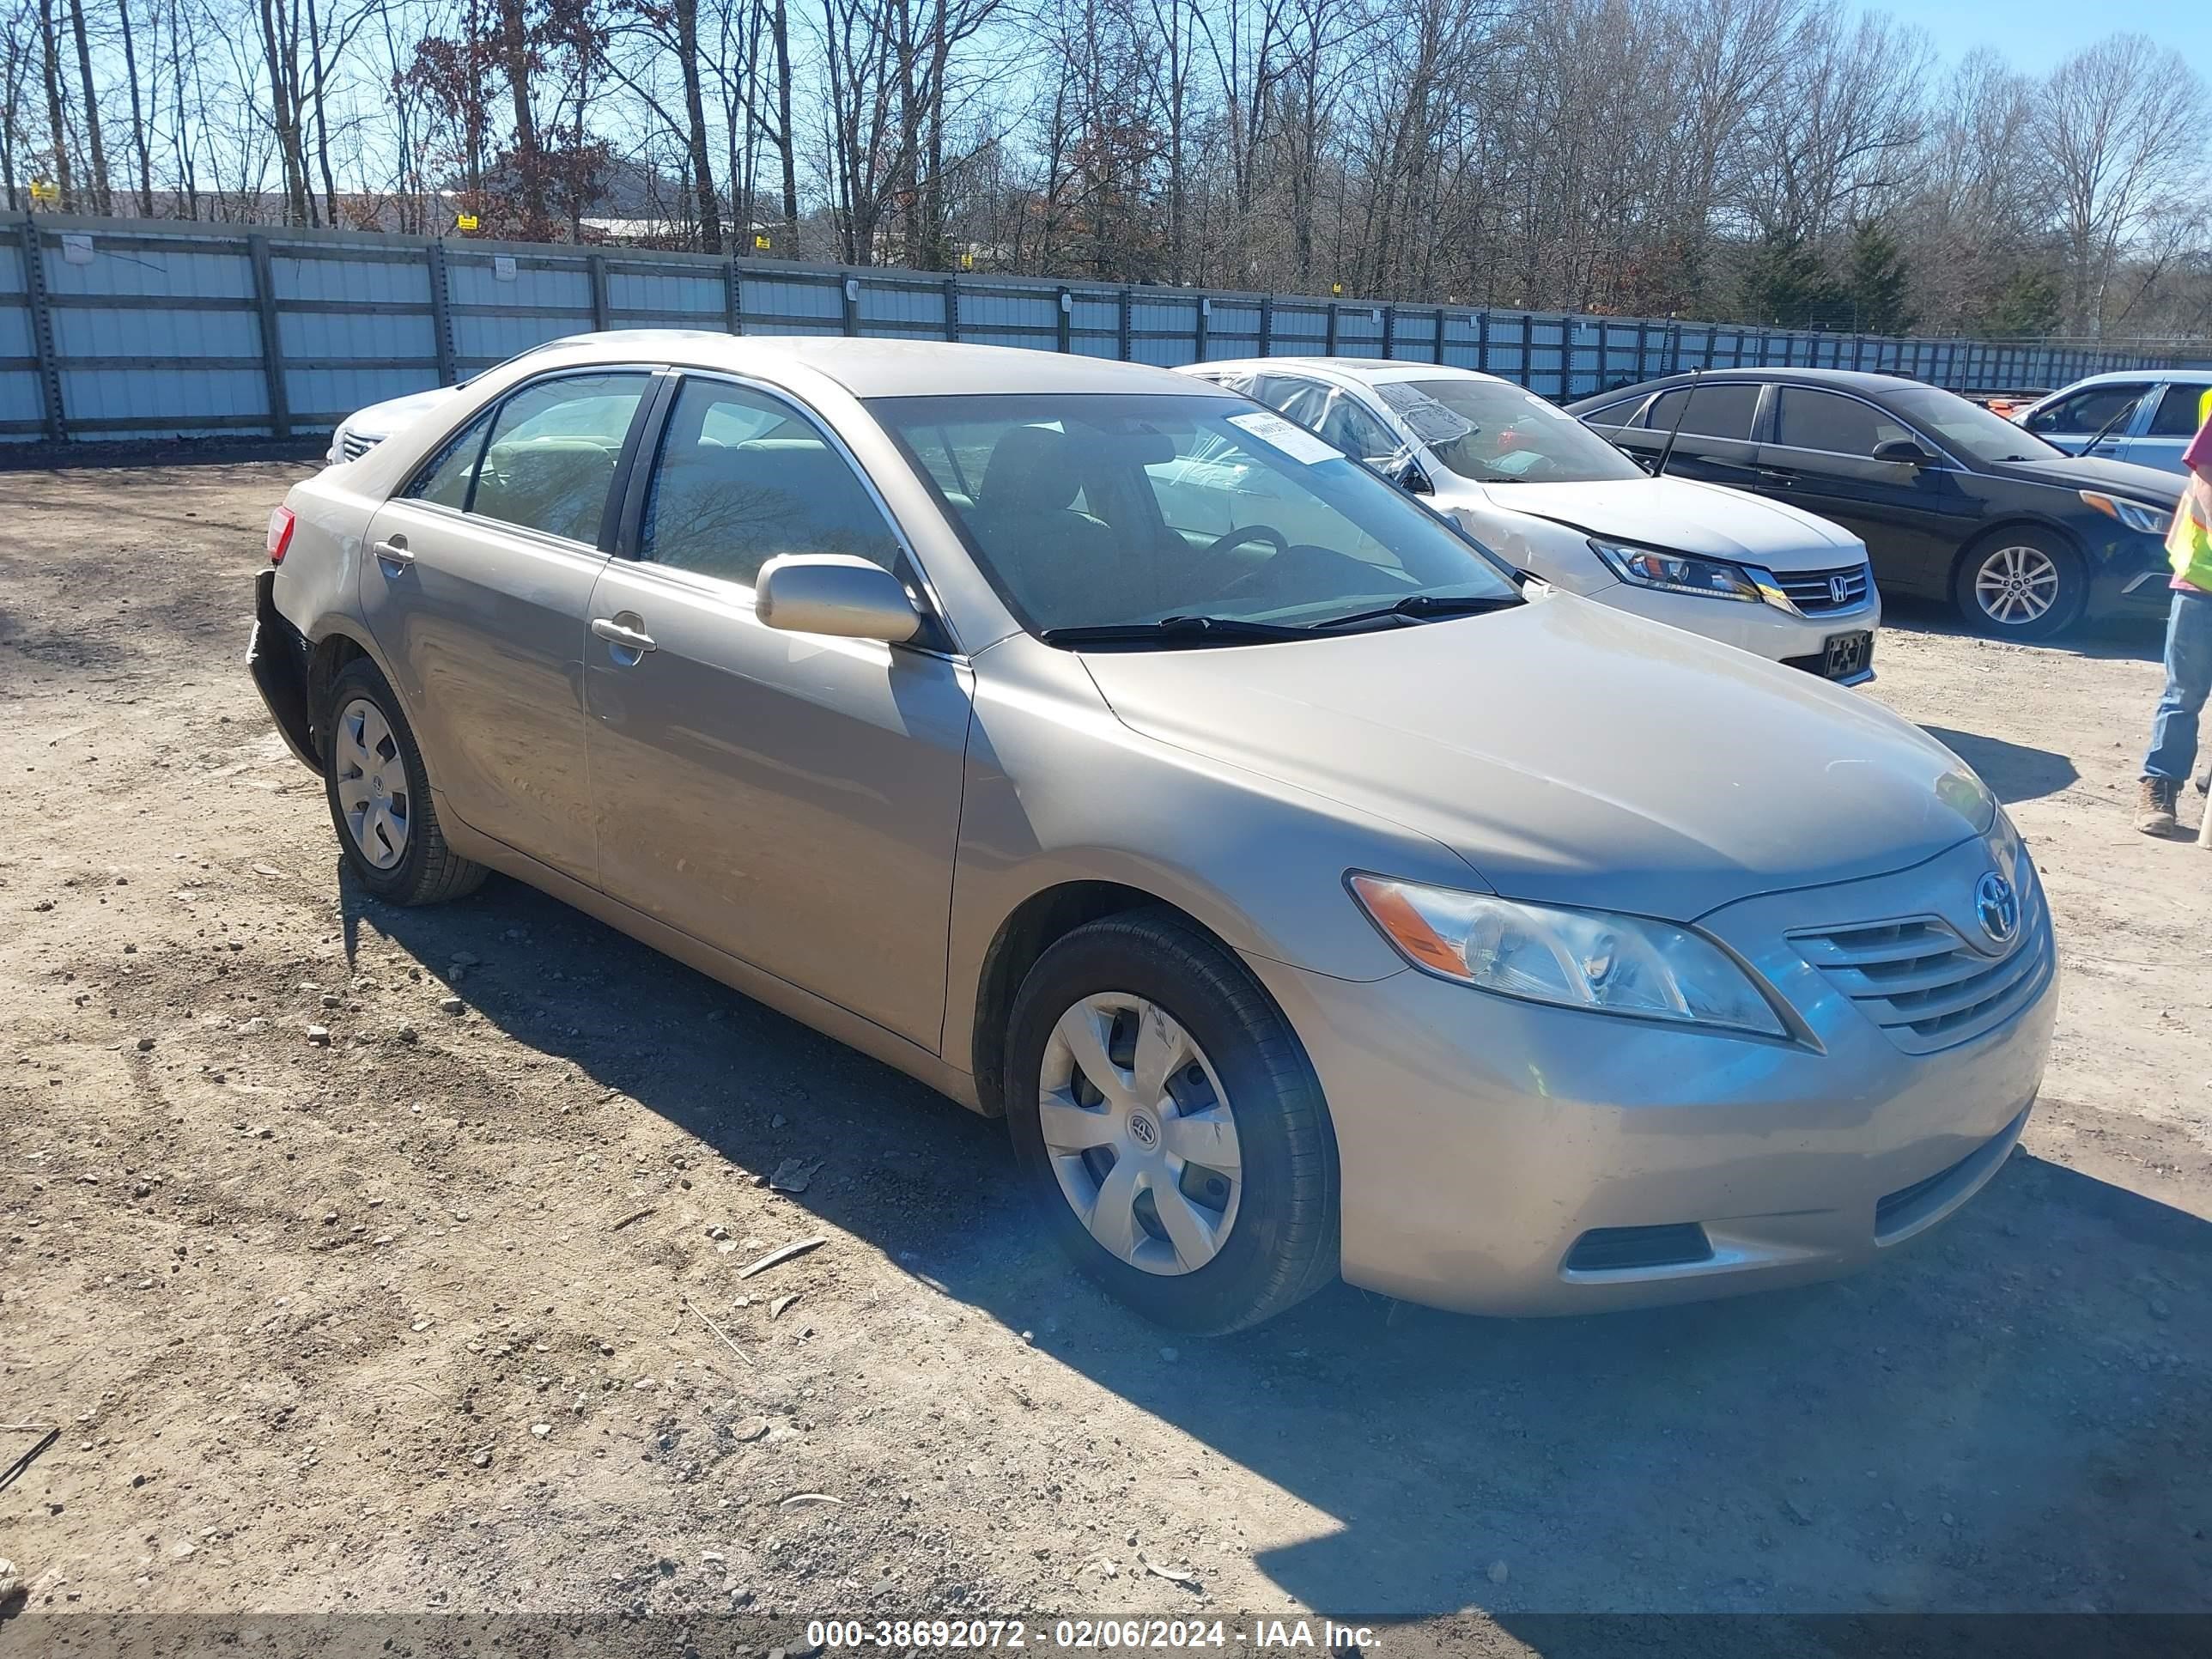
[1787,284]
[1877,282]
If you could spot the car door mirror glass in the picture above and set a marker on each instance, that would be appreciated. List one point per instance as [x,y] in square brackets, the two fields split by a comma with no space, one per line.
[1903,451]
[835,594]
[1411,479]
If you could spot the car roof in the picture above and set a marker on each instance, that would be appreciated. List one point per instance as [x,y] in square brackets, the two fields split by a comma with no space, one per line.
[873,368]
[1375,371]
[2136,377]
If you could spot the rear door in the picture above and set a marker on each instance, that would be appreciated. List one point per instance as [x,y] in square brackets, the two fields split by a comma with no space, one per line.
[1718,421]
[790,799]
[2176,413]
[2072,421]
[476,588]
[1912,519]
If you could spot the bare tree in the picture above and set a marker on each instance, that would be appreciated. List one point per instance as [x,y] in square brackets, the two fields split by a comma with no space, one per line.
[2117,122]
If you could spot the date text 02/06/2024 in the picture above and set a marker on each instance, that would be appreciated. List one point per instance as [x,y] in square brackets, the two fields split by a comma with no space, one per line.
[1080,1635]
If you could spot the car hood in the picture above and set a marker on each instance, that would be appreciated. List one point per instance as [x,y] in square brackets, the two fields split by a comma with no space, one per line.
[2087,472]
[381,420]
[1688,517]
[1572,754]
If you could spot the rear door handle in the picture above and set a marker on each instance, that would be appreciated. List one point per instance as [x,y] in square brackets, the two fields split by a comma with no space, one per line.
[629,639]
[392,551]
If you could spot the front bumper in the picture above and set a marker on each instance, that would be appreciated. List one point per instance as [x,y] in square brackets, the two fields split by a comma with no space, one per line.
[1765,630]
[276,657]
[1482,1142]
[2132,585]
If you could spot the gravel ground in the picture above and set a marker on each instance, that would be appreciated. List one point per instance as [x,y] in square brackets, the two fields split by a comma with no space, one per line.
[444,1311]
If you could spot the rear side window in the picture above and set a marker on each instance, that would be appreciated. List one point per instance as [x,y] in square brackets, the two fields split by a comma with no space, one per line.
[551,458]
[1618,413]
[1722,411]
[2181,412]
[1841,426]
[742,479]
[444,482]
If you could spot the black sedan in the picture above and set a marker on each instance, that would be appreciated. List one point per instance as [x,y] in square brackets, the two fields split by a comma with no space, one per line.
[1953,503]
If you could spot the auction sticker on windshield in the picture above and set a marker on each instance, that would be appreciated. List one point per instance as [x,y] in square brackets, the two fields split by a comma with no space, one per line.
[1293,440]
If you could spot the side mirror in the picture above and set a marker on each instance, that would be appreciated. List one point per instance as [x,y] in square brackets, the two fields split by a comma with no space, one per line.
[1904,452]
[1411,479]
[834,593]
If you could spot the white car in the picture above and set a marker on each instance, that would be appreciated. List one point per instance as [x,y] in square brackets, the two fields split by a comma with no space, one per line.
[1526,479]
[364,428]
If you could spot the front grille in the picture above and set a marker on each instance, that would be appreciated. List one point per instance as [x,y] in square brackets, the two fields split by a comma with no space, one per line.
[1814,592]
[1620,1249]
[355,445]
[1924,985]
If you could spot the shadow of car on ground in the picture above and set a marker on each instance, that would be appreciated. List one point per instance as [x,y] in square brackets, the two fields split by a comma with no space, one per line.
[2010,1416]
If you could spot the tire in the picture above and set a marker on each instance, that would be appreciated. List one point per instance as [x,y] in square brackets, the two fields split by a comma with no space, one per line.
[2020,585]
[400,855]
[1152,976]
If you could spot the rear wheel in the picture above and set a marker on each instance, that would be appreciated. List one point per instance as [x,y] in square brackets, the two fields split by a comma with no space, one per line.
[2021,583]
[379,796]
[1170,1126]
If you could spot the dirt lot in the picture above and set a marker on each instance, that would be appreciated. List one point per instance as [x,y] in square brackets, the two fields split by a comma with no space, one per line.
[418,1318]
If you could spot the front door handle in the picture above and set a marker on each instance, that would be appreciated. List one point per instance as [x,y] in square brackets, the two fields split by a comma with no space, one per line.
[392,552]
[1776,474]
[615,634]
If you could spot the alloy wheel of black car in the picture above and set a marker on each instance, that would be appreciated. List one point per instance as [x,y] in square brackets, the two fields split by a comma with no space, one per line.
[2021,583]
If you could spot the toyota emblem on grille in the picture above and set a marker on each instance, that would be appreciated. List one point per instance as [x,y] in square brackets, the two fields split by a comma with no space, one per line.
[1998,907]
[1840,591]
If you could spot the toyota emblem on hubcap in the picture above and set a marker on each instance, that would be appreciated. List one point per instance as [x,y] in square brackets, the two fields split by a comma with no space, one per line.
[1144,1131]
[1998,907]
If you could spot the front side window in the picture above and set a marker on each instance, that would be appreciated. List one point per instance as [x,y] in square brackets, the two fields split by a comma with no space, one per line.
[1091,510]
[553,450]
[743,478]
[1966,428]
[1838,425]
[1724,409]
[2089,409]
[1494,433]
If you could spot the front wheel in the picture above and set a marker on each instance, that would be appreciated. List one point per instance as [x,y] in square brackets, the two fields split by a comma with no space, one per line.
[1170,1125]
[2022,584]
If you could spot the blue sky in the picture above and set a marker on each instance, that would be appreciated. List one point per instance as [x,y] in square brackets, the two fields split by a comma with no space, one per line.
[2034,34]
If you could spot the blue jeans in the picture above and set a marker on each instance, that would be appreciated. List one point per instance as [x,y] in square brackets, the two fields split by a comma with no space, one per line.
[2188,683]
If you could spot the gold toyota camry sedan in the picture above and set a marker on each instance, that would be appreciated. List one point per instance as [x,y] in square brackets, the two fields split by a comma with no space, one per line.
[1310,892]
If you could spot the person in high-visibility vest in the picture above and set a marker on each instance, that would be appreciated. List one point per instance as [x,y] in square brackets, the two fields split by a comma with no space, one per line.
[2188,640]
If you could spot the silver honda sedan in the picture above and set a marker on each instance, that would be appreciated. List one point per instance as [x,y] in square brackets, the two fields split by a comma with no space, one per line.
[1310,895]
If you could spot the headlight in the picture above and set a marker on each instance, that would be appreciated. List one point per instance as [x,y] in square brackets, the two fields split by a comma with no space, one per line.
[2136,515]
[1593,959]
[1678,573]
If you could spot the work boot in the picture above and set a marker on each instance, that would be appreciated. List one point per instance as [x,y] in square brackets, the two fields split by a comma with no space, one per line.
[2154,806]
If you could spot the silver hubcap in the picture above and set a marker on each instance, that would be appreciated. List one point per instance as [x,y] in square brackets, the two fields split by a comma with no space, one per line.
[1141,1133]
[2016,585]
[373,784]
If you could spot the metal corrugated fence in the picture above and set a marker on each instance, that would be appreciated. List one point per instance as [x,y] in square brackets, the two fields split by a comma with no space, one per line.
[113,329]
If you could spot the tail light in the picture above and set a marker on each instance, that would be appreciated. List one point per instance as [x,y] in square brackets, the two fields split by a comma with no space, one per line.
[280,534]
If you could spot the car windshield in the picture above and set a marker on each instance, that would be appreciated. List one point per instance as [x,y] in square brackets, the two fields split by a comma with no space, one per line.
[1492,432]
[1967,428]
[1091,511]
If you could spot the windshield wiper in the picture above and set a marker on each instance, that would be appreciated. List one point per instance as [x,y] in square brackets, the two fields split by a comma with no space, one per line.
[1427,605]
[1175,630]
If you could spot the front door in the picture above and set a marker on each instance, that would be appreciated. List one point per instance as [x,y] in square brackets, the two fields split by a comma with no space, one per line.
[2073,422]
[475,587]
[1912,519]
[790,799]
